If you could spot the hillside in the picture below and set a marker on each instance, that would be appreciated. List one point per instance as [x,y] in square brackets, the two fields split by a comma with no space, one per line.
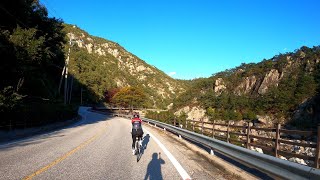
[282,89]
[32,58]
[103,65]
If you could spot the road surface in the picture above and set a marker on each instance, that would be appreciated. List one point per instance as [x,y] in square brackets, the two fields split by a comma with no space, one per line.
[99,147]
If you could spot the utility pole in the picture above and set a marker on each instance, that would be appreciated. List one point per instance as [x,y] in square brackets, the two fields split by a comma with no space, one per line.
[63,70]
[70,89]
[81,96]
[66,76]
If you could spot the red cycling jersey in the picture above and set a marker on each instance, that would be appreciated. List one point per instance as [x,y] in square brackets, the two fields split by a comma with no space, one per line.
[136,119]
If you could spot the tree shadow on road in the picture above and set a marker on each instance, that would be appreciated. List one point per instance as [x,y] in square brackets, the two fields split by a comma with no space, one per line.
[37,135]
[154,168]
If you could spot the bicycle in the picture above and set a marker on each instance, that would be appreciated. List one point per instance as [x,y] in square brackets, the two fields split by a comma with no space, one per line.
[138,148]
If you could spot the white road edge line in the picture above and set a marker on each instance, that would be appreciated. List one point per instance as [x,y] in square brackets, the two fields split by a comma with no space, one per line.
[173,160]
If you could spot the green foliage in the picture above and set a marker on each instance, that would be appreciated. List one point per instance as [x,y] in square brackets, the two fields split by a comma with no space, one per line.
[182,117]
[163,116]
[32,60]
[300,81]
[129,97]
[210,113]
[317,78]
[102,73]
[28,47]
[305,88]
[9,100]
[195,91]
[250,115]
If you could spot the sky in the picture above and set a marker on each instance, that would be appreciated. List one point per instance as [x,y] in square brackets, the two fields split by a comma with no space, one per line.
[189,39]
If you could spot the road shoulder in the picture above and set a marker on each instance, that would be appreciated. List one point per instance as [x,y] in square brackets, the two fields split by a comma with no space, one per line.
[211,165]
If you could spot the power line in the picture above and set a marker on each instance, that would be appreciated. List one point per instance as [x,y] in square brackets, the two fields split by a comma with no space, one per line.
[13,16]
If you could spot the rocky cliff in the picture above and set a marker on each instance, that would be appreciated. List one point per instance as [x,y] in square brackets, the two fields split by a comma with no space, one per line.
[284,88]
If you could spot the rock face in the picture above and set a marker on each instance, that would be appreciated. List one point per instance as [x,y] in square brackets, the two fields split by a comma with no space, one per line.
[219,86]
[266,120]
[195,113]
[251,84]
[130,69]
[246,86]
[271,79]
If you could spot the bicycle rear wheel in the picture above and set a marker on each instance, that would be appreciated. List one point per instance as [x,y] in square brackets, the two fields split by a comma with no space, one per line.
[137,150]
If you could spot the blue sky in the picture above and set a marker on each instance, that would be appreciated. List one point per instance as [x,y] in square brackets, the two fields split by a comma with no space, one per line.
[196,38]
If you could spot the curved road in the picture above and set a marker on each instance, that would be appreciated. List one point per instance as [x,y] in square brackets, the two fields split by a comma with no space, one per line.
[99,147]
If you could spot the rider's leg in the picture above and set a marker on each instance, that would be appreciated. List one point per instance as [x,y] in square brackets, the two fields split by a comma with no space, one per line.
[133,144]
[133,141]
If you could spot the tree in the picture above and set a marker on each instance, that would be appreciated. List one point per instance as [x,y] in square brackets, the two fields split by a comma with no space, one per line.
[182,117]
[109,94]
[210,113]
[32,60]
[129,97]
[306,87]
[250,115]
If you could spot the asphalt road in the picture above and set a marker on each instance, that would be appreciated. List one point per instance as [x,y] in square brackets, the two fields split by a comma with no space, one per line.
[99,147]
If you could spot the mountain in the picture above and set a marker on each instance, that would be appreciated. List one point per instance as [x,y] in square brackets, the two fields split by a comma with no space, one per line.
[103,65]
[282,89]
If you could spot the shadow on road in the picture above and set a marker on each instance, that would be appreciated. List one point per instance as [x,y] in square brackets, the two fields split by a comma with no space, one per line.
[145,141]
[24,138]
[154,168]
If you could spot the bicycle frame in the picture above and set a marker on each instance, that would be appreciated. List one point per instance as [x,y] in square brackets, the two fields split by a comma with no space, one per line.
[138,148]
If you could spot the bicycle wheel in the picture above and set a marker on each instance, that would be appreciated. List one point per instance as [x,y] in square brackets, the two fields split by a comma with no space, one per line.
[137,150]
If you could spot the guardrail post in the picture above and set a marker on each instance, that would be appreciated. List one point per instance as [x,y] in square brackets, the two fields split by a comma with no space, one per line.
[211,152]
[276,143]
[202,126]
[228,132]
[213,126]
[193,122]
[248,136]
[186,124]
[317,156]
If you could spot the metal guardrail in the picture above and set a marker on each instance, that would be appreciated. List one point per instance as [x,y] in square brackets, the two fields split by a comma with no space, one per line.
[268,164]
[271,165]
[271,145]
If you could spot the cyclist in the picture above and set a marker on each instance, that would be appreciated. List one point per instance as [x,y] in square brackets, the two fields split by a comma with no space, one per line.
[136,130]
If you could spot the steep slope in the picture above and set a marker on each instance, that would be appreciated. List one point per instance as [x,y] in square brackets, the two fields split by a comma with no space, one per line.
[102,65]
[285,88]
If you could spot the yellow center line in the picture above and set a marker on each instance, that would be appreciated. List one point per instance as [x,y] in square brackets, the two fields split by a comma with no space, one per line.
[58,160]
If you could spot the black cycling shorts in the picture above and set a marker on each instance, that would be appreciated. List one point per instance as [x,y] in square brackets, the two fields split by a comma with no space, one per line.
[137,132]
